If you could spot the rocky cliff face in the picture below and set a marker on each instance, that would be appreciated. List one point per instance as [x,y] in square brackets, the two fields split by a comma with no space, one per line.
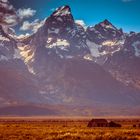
[124,65]
[8,47]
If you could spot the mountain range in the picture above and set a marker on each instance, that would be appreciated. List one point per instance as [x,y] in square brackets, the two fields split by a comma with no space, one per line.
[67,69]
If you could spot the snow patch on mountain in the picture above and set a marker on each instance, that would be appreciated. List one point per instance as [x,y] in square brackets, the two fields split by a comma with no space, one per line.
[109,43]
[2,38]
[53,30]
[2,57]
[17,54]
[88,57]
[26,53]
[62,43]
[112,46]
[62,11]
[94,48]
[136,46]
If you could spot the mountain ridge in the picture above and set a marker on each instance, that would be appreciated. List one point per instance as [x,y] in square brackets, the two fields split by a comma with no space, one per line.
[64,64]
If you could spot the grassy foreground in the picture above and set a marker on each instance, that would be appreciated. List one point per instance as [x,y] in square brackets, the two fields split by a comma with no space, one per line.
[55,129]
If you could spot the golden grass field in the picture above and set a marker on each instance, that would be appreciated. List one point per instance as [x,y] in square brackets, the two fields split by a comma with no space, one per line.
[65,129]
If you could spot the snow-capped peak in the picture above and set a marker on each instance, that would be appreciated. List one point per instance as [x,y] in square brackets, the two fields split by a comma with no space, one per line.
[107,24]
[62,11]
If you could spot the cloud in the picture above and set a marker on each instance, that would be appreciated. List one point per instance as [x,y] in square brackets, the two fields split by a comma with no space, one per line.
[81,22]
[7,13]
[31,26]
[26,13]
[10,16]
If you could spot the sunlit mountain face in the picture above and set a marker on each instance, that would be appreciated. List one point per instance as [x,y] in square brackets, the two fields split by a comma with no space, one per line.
[62,66]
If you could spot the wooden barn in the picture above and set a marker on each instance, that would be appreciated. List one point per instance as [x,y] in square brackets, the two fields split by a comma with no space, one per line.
[113,124]
[98,123]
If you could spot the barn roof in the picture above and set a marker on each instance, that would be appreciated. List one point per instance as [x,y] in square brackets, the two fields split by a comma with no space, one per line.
[99,120]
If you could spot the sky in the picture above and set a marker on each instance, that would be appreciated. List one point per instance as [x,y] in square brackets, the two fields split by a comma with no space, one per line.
[121,13]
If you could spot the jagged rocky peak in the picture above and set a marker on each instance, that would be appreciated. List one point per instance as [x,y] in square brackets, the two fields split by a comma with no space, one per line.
[107,24]
[61,33]
[104,31]
[57,25]
[61,18]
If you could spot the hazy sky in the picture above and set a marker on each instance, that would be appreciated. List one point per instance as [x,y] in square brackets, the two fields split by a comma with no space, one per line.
[122,13]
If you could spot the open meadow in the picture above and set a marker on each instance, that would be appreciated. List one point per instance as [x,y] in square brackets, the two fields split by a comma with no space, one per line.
[65,129]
